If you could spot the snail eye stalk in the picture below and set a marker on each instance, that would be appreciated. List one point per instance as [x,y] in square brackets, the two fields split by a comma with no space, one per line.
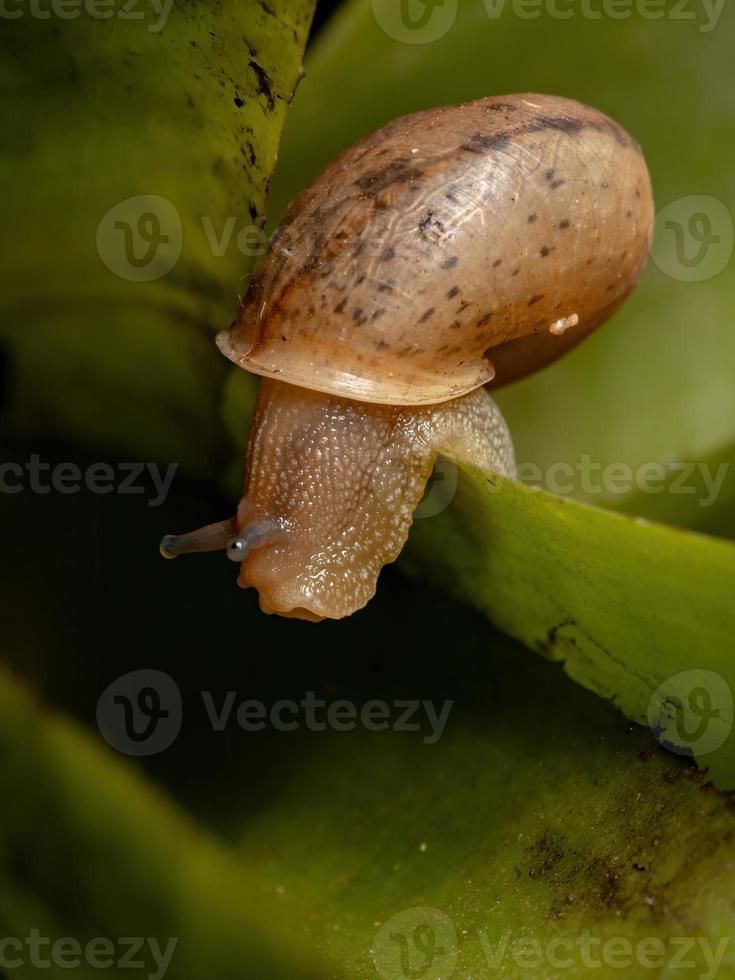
[223,536]
[212,537]
[253,535]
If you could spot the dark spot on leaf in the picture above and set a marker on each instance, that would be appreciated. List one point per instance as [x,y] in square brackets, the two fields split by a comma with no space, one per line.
[564,223]
[426,314]
[544,251]
[546,854]
[496,263]
[450,263]
[264,83]
[532,218]
[339,308]
[452,292]
[485,318]
[238,102]
[387,254]
[535,299]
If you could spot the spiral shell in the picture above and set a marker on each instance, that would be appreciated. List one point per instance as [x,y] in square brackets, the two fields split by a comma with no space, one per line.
[446,246]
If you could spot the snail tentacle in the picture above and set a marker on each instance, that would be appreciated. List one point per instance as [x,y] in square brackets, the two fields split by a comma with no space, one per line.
[211,537]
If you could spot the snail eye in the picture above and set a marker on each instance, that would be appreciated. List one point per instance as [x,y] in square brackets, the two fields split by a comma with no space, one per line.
[253,535]
[237,549]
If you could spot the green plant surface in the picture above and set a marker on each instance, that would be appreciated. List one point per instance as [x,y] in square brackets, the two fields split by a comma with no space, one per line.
[656,383]
[629,606]
[89,849]
[187,109]
[538,812]
[697,507]
[537,817]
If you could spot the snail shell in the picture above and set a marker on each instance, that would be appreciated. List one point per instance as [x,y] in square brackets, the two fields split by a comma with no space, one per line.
[449,248]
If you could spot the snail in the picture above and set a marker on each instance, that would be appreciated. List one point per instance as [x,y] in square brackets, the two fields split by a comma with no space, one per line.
[452,250]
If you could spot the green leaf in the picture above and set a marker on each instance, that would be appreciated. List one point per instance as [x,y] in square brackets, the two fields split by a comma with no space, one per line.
[537,813]
[136,154]
[656,384]
[543,814]
[640,613]
[87,849]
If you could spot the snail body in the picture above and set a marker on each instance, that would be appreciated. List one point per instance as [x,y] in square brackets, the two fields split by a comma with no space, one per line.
[453,248]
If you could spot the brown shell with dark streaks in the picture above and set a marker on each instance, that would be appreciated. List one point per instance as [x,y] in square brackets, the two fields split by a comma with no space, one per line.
[450,246]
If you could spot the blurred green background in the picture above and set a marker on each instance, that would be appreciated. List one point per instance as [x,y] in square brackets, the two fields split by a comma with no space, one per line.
[541,812]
